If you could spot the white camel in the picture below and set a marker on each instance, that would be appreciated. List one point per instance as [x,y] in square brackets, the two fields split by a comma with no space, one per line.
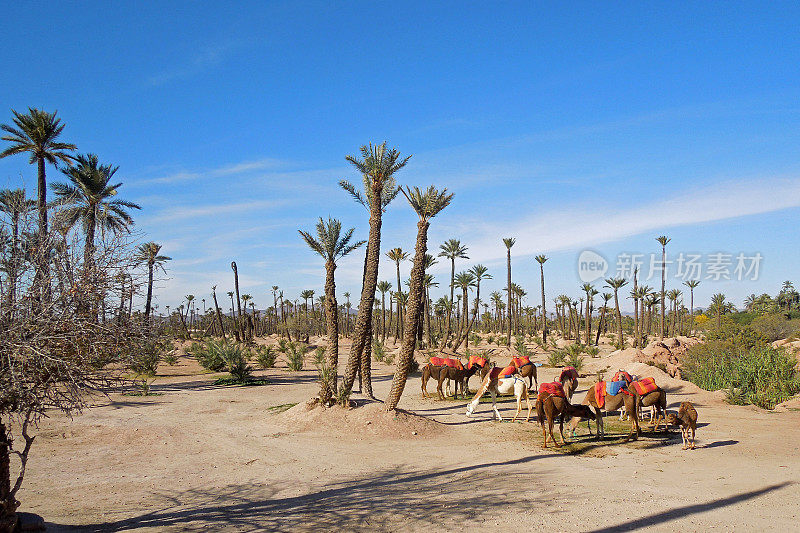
[495,386]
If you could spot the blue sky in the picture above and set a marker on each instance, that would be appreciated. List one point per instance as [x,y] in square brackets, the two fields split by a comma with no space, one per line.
[596,125]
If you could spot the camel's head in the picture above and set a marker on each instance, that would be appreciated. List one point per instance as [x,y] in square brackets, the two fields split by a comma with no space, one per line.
[581,411]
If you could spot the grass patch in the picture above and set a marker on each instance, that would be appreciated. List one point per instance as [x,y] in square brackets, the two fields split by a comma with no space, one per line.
[281,408]
[247,382]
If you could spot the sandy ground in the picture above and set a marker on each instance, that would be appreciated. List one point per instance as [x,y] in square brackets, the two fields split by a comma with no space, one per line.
[200,457]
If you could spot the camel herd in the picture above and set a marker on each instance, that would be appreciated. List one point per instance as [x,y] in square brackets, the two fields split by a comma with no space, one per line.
[624,393]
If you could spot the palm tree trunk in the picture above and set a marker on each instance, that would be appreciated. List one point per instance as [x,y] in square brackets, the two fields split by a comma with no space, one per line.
[663,282]
[619,319]
[149,289]
[42,276]
[363,329]
[219,315]
[544,308]
[328,388]
[508,263]
[412,316]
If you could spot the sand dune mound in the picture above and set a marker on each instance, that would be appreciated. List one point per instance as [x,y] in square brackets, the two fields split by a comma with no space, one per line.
[365,422]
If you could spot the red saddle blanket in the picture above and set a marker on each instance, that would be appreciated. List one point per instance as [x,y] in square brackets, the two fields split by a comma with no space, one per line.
[475,360]
[600,393]
[621,375]
[644,386]
[568,372]
[519,362]
[498,373]
[452,363]
[552,389]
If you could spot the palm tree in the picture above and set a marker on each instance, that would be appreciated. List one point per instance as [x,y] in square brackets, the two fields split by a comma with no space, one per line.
[509,242]
[663,240]
[88,199]
[397,255]
[481,273]
[347,313]
[601,323]
[275,304]
[36,133]
[692,283]
[719,305]
[238,326]
[383,287]
[588,288]
[452,249]
[377,167]
[305,295]
[148,253]
[616,284]
[427,204]
[673,296]
[216,310]
[331,245]
[541,259]
[14,204]
[465,281]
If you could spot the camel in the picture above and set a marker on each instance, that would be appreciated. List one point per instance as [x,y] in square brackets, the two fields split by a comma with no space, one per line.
[495,385]
[526,369]
[433,370]
[569,379]
[480,363]
[657,400]
[611,403]
[686,419]
[549,406]
[460,376]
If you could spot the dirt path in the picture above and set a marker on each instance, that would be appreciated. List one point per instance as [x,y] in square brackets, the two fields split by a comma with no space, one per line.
[201,457]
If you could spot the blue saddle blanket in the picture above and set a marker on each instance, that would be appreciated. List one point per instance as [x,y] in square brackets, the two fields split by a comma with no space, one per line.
[613,387]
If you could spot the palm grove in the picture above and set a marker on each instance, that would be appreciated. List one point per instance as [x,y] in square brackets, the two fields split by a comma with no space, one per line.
[69,271]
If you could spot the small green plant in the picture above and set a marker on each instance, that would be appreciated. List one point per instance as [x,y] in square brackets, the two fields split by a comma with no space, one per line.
[574,359]
[556,358]
[319,355]
[474,339]
[591,350]
[145,363]
[265,356]
[282,345]
[236,362]
[209,354]
[295,353]
[388,358]
[490,339]
[325,375]
[171,359]
[379,351]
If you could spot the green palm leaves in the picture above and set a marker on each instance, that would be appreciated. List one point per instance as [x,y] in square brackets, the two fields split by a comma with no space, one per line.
[330,242]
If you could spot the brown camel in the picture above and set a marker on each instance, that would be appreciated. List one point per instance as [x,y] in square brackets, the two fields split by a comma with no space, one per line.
[526,369]
[686,419]
[612,403]
[549,407]
[430,371]
[459,376]
[569,379]
[658,400]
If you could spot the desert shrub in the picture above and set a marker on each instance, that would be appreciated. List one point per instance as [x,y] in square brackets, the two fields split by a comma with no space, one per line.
[773,327]
[319,355]
[209,354]
[265,356]
[742,336]
[474,338]
[325,375]
[574,358]
[236,362]
[537,340]
[379,351]
[171,359]
[282,345]
[294,356]
[502,340]
[591,350]
[758,375]
[556,358]
[145,362]
[388,357]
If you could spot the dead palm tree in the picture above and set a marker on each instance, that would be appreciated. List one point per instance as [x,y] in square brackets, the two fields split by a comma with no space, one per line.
[377,167]
[541,259]
[331,244]
[36,133]
[452,249]
[148,253]
[663,240]
[692,284]
[616,284]
[14,204]
[427,204]
[509,242]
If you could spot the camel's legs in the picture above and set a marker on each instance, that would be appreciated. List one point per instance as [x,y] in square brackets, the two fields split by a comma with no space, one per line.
[528,401]
[494,405]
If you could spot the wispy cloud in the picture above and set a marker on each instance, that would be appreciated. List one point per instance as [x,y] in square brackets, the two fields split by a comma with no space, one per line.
[228,170]
[191,212]
[574,227]
[206,57]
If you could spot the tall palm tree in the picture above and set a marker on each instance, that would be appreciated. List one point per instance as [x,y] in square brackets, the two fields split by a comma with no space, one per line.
[601,323]
[616,284]
[15,205]
[673,296]
[398,255]
[383,287]
[464,281]
[331,244]
[719,305]
[88,199]
[692,284]
[427,204]
[37,133]
[509,242]
[588,288]
[663,240]
[377,166]
[275,304]
[216,310]
[541,259]
[148,253]
[452,249]
[481,273]
[347,313]
[305,295]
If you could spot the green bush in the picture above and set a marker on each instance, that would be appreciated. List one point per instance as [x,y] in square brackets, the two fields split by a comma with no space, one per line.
[209,354]
[774,327]
[236,362]
[556,358]
[474,339]
[379,351]
[319,355]
[490,339]
[758,375]
[282,345]
[295,353]
[145,362]
[171,359]
[265,356]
